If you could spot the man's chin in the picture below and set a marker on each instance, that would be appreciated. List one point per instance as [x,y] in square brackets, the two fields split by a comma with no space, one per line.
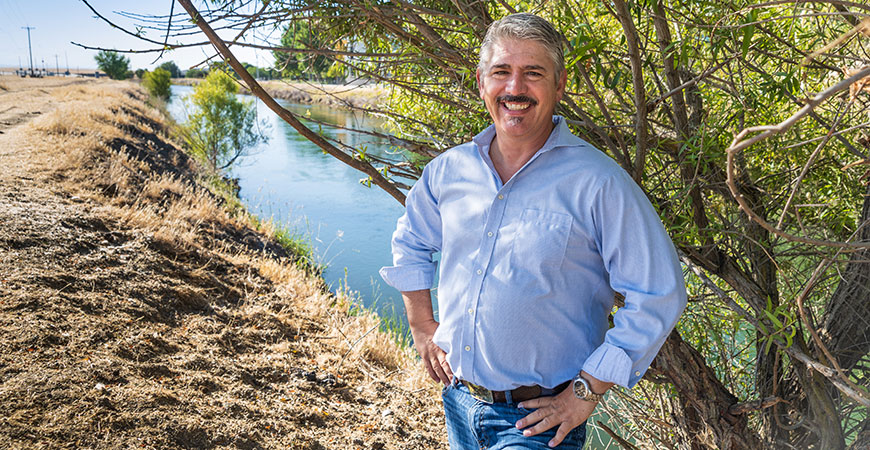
[514,121]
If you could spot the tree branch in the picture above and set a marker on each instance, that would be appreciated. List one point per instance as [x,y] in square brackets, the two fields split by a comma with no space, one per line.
[741,142]
[260,93]
[641,125]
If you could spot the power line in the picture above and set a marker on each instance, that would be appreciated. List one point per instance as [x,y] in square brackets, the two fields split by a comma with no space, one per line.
[12,7]
[8,12]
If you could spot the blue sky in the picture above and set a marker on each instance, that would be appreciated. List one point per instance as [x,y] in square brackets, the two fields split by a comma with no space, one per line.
[57,22]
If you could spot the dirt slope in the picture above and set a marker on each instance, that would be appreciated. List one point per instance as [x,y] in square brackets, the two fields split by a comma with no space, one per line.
[135,312]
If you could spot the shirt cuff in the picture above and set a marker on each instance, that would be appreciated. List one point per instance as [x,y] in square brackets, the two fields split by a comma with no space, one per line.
[412,277]
[610,363]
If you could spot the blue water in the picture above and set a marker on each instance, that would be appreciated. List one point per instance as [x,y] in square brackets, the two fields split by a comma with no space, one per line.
[292,181]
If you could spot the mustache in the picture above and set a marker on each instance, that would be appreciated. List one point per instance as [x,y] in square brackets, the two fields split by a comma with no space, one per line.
[516,99]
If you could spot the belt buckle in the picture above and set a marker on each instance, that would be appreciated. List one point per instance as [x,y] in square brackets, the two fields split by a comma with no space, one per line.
[479,392]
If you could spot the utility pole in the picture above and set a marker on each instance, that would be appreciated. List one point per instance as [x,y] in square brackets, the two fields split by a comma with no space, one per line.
[56,67]
[29,48]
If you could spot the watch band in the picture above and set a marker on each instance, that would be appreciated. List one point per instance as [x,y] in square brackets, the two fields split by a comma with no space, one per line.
[583,391]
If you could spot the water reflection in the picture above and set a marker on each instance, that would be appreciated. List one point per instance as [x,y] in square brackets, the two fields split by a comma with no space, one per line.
[293,181]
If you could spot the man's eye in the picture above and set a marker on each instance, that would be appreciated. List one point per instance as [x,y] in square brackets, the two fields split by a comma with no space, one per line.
[535,74]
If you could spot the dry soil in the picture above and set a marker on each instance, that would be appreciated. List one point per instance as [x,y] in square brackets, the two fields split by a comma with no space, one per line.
[137,312]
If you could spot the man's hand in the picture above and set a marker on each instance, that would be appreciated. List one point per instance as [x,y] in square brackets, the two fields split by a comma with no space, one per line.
[564,410]
[434,358]
[418,306]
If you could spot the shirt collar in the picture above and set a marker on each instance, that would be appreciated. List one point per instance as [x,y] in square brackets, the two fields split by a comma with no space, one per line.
[560,136]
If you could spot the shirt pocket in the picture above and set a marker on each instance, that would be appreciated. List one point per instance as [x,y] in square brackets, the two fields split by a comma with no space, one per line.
[541,239]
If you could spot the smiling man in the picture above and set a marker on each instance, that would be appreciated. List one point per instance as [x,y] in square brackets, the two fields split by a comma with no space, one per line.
[537,231]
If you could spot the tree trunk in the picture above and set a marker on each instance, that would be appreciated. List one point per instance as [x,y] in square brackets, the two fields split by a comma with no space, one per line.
[846,329]
[704,400]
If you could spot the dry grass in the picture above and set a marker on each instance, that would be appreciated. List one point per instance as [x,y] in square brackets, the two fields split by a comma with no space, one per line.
[364,96]
[204,334]
[330,94]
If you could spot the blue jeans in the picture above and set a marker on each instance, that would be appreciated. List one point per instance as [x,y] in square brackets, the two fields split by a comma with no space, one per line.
[473,424]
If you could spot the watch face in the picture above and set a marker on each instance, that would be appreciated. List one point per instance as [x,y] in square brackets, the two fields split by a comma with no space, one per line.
[581,390]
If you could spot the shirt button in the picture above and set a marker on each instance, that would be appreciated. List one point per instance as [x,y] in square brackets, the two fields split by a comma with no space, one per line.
[470,311]
[467,348]
[637,374]
[479,271]
[489,234]
[500,197]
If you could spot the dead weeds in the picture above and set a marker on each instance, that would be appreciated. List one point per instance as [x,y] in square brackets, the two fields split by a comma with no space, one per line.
[137,312]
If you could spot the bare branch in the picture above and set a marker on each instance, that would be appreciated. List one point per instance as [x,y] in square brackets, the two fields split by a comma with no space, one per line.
[741,142]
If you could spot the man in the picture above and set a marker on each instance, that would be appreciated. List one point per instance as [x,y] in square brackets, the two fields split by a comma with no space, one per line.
[537,231]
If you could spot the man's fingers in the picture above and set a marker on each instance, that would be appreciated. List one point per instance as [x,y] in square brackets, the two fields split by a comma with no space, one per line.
[435,362]
[545,424]
[439,361]
[538,402]
[446,366]
[442,377]
[431,371]
[560,435]
[530,419]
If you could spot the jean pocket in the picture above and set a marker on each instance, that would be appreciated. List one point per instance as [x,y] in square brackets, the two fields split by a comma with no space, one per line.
[541,239]
[446,388]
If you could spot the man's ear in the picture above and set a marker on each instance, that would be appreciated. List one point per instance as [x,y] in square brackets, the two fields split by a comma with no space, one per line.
[479,77]
[560,85]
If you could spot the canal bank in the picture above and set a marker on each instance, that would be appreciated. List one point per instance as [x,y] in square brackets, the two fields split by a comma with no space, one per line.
[135,311]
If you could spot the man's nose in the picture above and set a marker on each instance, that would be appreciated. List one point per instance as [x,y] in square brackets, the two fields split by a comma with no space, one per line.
[516,85]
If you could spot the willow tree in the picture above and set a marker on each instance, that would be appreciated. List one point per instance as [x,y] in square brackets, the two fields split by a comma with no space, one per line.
[746,124]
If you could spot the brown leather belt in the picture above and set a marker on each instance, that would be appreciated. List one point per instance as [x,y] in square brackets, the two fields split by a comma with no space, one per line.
[517,395]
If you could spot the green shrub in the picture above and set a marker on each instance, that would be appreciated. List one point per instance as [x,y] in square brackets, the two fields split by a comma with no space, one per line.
[116,66]
[157,83]
[221,127]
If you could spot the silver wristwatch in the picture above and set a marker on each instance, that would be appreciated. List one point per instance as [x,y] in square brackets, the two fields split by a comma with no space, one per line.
[583,391]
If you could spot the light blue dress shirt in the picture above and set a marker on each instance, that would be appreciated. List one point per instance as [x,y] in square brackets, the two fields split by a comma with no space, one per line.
[529,267]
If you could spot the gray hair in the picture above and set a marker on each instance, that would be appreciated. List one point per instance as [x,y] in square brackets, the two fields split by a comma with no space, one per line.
[524,26]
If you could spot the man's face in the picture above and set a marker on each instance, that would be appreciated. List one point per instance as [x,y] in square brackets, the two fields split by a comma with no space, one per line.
[521,89]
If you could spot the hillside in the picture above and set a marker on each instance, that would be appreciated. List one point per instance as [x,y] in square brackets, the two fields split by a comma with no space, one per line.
[138,311]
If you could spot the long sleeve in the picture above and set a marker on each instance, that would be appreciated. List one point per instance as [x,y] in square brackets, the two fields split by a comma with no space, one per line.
[642,265]
[416,239]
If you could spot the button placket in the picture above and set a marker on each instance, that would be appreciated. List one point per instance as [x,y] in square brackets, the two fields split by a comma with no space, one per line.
[493,221]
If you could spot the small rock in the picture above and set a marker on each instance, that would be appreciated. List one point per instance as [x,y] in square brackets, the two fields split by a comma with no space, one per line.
[310,376]
[387,412]
[100,387]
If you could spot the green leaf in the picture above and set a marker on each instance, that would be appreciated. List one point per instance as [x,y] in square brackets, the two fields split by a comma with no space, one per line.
[748,31]
[773,319]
